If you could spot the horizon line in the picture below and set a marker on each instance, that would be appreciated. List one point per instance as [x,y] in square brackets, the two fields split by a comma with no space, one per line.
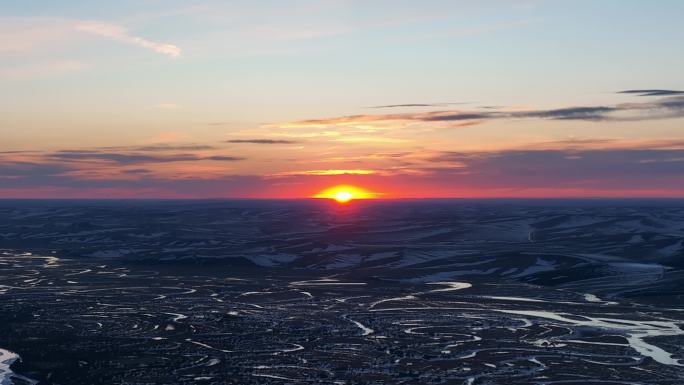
[356,199]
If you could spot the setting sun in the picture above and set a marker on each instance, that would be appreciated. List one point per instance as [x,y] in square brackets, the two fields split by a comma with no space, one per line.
[344,194]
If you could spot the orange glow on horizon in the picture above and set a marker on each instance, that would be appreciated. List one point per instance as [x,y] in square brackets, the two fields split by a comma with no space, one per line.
[344,193]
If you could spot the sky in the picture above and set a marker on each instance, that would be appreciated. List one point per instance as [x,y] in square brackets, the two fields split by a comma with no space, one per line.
[286,98]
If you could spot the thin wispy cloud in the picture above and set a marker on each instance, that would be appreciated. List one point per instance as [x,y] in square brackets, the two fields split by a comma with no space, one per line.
[327,172]
[663,108]
[122,34]
[652,92]
[409,105]
[137,171]
[261,141]
[223,158]
[128,158]
[120,158]
[23,35]
[170,147]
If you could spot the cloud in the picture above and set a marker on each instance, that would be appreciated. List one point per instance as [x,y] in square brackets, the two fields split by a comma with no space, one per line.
[16,169]
[415,105]
[327,172]
[262,141]
[119,33]
[223,158]
[17,152]
[115,170]
[652,92]
[663,108]
[123,158]
[594,168]
[120,158]
[456,116]
[168,147]
[566,168]
[21,35]
[137,171]
[159,147]
[569,113]
[140,185]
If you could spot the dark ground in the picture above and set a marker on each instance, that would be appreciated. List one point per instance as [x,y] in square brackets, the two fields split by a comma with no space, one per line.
[291,292]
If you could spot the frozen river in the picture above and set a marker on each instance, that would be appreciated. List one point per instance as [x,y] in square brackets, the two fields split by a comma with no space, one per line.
[94,321]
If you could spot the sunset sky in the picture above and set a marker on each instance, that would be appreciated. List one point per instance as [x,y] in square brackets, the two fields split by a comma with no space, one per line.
[285,98]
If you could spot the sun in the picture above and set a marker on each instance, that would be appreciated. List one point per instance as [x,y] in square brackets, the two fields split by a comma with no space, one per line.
[345,193]
[343,196]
